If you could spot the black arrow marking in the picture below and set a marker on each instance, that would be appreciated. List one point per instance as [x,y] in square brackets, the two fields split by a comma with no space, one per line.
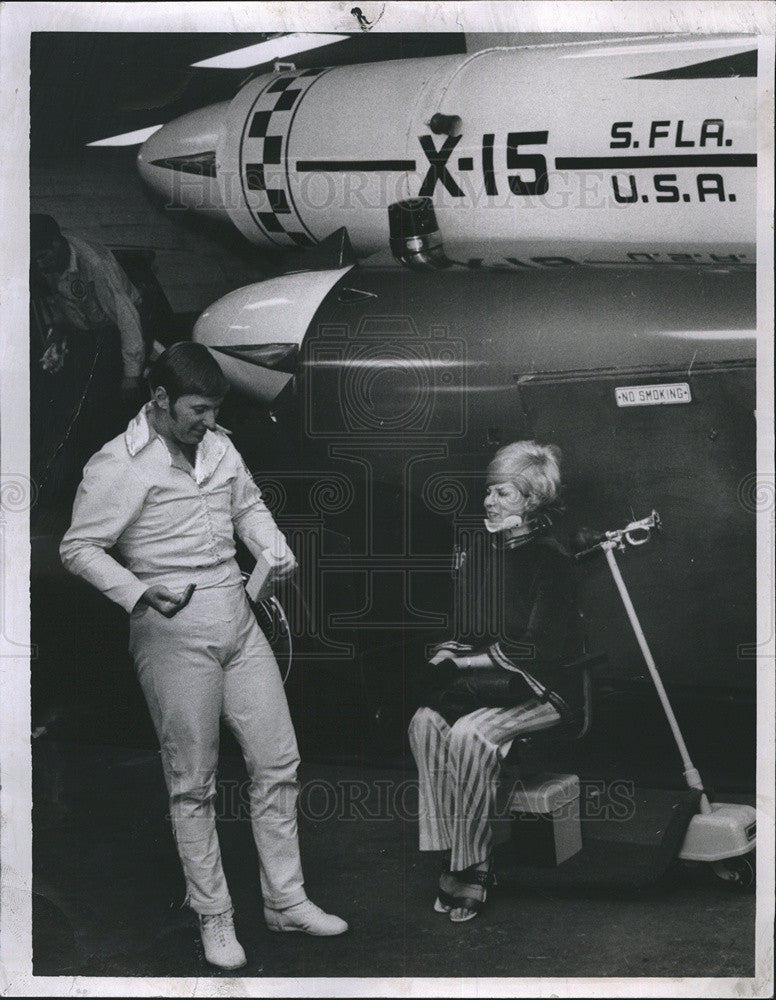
[344,166]
[633,162]
[740,64]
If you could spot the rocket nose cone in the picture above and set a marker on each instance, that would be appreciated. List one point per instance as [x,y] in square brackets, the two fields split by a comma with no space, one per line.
[256,332]
[178,161]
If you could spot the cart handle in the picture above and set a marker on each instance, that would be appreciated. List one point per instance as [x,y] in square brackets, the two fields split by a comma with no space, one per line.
[635,533]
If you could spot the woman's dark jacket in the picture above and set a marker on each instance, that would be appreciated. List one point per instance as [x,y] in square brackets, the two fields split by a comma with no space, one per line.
[516,600]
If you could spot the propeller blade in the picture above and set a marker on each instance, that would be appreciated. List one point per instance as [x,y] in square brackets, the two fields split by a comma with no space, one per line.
[264,52]
[135,138]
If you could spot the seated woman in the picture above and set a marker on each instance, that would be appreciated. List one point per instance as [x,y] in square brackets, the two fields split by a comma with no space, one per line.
[521,592]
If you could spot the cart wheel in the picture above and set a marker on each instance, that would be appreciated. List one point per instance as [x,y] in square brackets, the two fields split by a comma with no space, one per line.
[738,873]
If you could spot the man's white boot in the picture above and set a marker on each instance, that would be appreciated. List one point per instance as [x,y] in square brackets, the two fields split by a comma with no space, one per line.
[305,917]
[218,939]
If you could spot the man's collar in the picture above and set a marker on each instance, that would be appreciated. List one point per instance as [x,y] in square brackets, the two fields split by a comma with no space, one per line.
[139,432]
[210,450]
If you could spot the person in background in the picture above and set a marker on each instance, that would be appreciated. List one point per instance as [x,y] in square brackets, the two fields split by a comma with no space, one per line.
[522,589]
[170,494]
[86,291]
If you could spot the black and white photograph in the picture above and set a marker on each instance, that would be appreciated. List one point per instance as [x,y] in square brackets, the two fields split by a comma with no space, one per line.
[387,499]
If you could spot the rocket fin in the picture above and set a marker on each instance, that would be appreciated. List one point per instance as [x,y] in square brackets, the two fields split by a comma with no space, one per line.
[331,254]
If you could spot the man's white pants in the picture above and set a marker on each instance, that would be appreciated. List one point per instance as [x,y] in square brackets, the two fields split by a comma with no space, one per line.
[210,661]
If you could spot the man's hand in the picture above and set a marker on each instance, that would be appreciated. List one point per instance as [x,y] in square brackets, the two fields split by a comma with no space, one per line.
[283,563]
[53,358]
[286,567]
[164,601]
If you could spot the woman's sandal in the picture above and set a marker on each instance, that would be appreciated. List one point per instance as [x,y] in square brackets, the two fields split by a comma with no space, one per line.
[463,894]
[447,884]
[444,875]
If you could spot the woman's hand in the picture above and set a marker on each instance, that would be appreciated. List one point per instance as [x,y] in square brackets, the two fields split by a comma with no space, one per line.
[464,661]
[472,661]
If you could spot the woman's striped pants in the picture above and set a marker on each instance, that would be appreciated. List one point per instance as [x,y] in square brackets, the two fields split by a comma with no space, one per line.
[458,769]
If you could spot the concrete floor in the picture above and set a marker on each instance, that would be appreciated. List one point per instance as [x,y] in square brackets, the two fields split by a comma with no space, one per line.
[108,889]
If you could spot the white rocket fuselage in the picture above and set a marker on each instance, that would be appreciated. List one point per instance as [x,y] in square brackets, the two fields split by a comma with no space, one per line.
[589,152]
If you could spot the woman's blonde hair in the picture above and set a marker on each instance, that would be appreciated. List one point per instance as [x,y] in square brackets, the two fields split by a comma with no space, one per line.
[533,468]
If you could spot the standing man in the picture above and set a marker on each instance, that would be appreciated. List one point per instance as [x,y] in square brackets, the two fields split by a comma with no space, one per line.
[87,291]
[170,493]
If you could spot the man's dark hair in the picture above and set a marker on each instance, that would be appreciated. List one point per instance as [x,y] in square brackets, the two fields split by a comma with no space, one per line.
[188,369]
[43,231]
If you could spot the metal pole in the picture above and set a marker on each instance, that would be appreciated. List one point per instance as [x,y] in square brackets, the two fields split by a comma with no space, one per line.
[691,775]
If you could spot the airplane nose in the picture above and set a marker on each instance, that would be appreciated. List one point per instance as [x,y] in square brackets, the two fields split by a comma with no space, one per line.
[178,161]
[256,332]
